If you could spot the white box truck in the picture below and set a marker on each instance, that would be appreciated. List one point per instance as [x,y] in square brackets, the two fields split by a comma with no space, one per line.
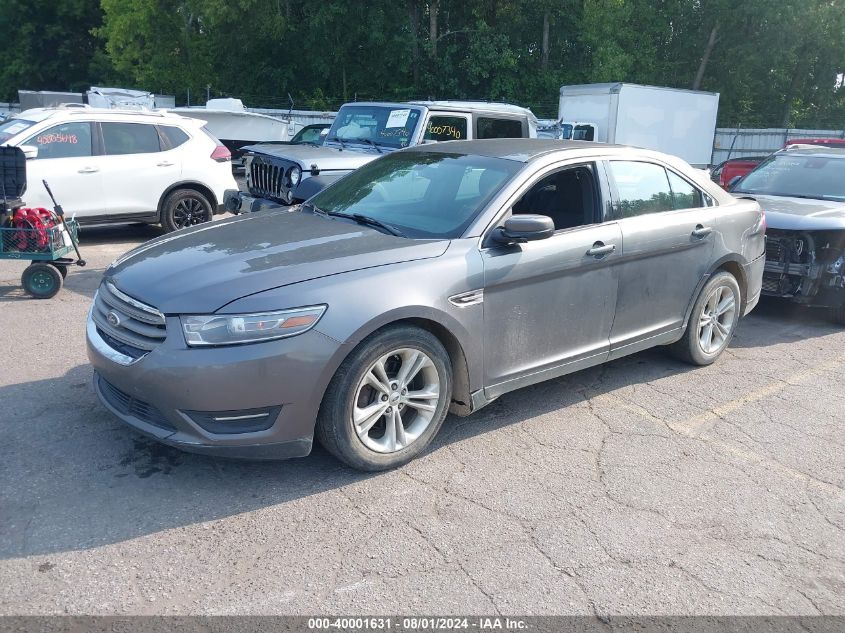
[678,122]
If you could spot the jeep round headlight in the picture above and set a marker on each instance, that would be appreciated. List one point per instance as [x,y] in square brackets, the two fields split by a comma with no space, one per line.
[235,329]
[295,174]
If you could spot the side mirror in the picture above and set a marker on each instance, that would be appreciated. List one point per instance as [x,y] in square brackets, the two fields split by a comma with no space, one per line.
[30,151]
[524,228]
[733,181]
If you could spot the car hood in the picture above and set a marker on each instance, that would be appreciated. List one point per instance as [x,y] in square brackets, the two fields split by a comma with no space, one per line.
[200,270]
[802,214]
[325,157]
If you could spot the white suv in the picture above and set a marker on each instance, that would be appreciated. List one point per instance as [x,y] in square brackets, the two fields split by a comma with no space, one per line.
[122,165]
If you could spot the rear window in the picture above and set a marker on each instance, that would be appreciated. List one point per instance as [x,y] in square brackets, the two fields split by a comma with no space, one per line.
[130,138]
[499,128]
[173,136]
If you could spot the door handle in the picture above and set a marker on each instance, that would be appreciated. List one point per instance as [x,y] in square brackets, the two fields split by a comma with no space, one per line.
[88,170]
[164,164]
[702,231]
[600,249]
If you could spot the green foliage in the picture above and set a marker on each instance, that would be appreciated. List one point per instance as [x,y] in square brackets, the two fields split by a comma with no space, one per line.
[775,62]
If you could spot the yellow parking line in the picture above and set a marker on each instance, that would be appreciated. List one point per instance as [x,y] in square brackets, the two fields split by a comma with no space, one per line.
[692,426]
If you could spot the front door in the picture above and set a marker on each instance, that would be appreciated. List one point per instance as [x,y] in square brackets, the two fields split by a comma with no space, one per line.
[67,162]
[549,304]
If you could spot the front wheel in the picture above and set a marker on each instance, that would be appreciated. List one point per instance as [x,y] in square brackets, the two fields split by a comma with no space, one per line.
[183,208]
[387,400]
[712,322]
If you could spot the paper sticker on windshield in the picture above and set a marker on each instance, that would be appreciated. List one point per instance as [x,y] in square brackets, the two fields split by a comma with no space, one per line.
[398,118]
[15,128]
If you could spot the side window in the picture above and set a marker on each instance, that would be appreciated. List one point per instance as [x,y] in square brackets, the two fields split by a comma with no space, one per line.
[173,136]
[130,138]
[498,128]
[642,188]
[569,197]
[446,128]
[66,140]
[684,195]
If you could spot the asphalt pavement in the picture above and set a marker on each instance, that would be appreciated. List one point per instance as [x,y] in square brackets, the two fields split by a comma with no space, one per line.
[643,486]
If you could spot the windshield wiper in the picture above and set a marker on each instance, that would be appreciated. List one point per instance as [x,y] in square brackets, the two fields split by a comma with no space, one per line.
[365,219]
[357,217]
[368,141]
[339,140]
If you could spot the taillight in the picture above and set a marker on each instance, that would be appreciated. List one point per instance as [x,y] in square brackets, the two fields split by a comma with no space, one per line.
[221,154]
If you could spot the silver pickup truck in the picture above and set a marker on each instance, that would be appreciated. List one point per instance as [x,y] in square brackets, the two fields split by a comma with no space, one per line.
[281,174]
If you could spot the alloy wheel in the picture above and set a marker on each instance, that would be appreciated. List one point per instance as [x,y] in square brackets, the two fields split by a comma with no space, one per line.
[396,400]
[717,319]
[189,211]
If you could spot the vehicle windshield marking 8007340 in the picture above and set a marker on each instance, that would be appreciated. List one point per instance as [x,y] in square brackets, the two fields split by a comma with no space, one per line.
[433,279]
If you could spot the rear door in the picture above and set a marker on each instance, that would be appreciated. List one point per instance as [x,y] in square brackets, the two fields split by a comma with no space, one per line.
[67,161]
[549,304]
[668,236]
[136,171]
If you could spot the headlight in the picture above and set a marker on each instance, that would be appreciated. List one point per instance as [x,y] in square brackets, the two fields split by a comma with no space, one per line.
[235,329]
[295,174]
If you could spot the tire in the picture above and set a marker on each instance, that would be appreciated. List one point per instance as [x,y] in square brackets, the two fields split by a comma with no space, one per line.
[41,280]
[693,347]
[183,208]
[837,315]
[377,442]
[62,269]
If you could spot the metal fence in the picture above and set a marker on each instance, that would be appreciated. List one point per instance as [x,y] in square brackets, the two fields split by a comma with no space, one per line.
[738,142]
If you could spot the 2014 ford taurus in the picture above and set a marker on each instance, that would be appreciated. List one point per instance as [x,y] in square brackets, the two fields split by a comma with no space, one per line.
[433,279]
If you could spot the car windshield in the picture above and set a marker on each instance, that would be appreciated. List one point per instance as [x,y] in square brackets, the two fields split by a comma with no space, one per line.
[388,126]
[13,127]
[801,176]
[420,194]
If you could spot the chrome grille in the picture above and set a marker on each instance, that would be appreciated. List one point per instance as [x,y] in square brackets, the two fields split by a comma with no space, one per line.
[267,179]
[135,326]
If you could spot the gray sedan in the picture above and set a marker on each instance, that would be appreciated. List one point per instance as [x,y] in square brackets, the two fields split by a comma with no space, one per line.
[433,279]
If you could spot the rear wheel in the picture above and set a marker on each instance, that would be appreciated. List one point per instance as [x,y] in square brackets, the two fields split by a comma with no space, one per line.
[712,322]
[387,400]
[41,280]
[183,208]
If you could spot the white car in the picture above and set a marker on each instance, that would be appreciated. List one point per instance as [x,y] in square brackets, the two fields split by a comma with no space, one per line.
[121,165]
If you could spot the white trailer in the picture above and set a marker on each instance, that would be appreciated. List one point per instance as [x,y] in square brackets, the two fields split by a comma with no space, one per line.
[679,122]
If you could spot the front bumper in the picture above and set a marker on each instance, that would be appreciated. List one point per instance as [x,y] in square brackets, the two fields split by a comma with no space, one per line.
[165,393]
[235,201]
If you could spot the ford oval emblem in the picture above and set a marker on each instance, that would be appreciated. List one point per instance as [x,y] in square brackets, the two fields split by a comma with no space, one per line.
[113,318]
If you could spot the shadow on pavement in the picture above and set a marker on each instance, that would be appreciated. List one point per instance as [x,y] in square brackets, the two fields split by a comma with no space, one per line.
[74,477]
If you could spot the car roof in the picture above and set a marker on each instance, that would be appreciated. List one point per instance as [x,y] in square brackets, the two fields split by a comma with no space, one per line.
[813,150]
[518,149]
[81,110]
[456,106]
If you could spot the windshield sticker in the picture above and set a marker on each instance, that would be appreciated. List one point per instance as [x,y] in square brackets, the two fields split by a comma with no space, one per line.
[397,118]
[15,128]
[400,132]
